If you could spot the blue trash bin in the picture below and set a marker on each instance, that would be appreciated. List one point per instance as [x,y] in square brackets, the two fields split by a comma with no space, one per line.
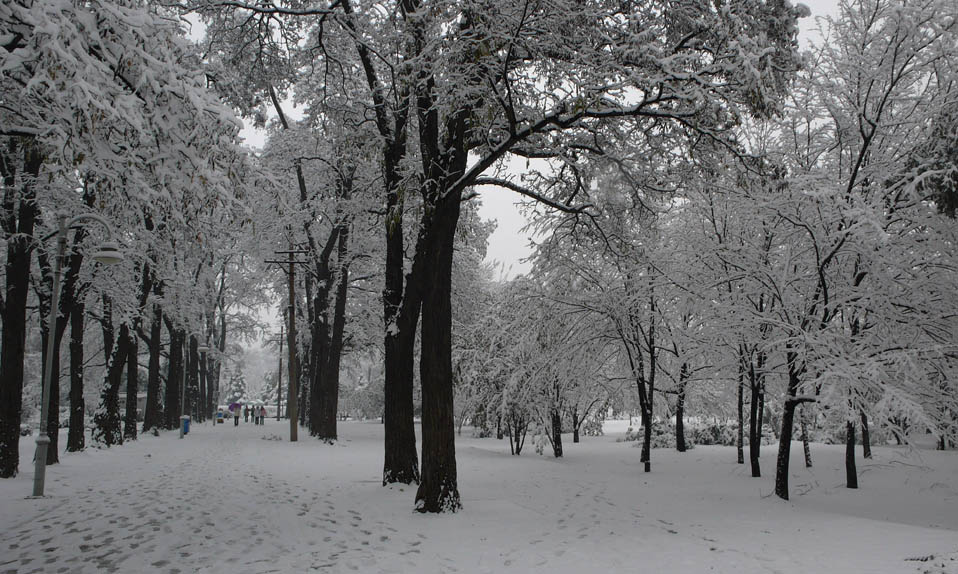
[185,421]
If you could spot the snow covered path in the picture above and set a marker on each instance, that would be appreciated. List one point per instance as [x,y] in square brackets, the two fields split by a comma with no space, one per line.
[232,500]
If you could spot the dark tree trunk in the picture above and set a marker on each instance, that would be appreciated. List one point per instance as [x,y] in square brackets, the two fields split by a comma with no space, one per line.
[575,427]
[851,474]
[106,326]
[785,437]
[318,311]
[866,438]
[132,389]
[76,437]
[401,307]
[302,404]
[174,373]
[329,402]
[53,414]
[516,427]
[221,340]
[18,219]
[557,433]
[754,427]
[806,449]
[646,439]
[153,415]
[204,409]
[108,430]
[499,427]
[741,413]
[647,420]
[194,407]
[438,491]
[680,409]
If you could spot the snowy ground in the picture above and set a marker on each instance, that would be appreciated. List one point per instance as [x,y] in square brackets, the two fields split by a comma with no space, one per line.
[229,500]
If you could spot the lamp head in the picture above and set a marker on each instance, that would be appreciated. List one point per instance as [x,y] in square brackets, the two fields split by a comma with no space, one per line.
[108,253]
[203,349]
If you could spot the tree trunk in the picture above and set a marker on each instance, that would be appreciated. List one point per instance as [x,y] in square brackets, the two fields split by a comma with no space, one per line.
[851,474]
[132,389]
[438,491]
[153,418]
[330,400]
[785,437]
[557,433]
[108,431]
[194,408]
[680,409]
[76,437]
[204,409]
[575,427]
[866,438]
[741,413]
[53,400]
[754,430]
[19,229]
[174,372]
[803,421]
[646,439]
[401,308]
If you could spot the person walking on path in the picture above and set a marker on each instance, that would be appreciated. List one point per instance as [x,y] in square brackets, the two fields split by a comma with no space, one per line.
[245,414]
[236,414]
[262,415]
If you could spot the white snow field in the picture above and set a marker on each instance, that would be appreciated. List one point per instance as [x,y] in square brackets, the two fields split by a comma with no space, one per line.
[231,500]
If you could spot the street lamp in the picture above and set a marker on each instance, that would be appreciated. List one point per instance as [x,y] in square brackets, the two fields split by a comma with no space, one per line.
[108,254]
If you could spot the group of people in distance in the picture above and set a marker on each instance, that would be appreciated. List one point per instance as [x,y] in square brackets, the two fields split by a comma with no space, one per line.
[254,413]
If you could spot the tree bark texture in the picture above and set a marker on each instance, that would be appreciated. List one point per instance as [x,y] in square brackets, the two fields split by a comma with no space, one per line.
[401,310]
[19,214]
[76,436]
[132,389]
[851,473]
[174,372]
[680,409]
[866,437]
[53,415]
[439,490]
[329,402]
[153,414]
[785,437]
[755,425]
[741,411]
[108,430]
[194,406]
[557,433]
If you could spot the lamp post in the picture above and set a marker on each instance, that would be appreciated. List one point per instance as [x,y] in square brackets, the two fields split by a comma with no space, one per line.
[108,254]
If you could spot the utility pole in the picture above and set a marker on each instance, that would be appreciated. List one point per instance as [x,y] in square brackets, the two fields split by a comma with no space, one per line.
[292,394]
